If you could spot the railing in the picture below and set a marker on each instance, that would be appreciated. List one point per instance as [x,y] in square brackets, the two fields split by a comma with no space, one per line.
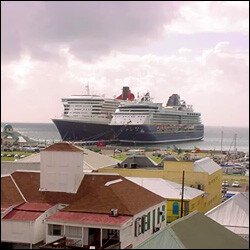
[65,243]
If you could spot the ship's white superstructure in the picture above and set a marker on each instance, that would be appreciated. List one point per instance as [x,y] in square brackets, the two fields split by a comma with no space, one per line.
[148,113]
[89,108]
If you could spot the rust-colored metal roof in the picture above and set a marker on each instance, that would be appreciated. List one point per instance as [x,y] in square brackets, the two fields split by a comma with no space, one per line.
[9,193]
[35,207]
[92,196]
[63,146]
[89,218]
[22,215]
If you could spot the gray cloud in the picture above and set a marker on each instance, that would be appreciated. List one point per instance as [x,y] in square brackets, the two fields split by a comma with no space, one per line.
[88,29]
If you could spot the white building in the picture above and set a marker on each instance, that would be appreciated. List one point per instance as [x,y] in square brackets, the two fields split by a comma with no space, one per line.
[61,168]
[101,210]
[25,223]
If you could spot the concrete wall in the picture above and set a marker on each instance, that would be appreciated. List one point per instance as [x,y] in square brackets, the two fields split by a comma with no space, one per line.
[39,226]
[16,231]
[61,171]
[25,231]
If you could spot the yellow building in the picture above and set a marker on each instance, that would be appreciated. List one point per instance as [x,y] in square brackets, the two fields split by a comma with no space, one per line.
[203,174]
[172,191]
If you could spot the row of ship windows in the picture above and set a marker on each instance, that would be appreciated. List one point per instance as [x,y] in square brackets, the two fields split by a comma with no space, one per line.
[173,115]
[86,116]
[105,109]
[168,120]
[175,118]
[125,116]
[92,103]
[158,114]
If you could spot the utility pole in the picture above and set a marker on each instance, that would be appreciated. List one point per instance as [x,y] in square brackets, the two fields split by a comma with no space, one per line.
[221,141]
[235,148]
[182,192]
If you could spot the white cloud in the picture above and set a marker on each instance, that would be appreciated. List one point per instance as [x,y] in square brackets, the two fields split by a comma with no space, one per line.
[211,16]
[89,29]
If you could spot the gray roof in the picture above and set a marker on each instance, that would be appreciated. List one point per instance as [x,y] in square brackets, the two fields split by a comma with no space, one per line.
[164,239]
[233,214]
[91,160]
[206,165]
[197,231]
[141,161]
[95,160]
[165,188]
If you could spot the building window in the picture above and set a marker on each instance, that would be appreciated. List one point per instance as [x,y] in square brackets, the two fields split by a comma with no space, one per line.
[55,230]
[145,222]
[73,232]
[176,208]
[113,233]
[138,226]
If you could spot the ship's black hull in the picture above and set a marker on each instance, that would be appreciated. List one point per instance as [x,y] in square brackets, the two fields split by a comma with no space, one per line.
[83,131]
[152,134]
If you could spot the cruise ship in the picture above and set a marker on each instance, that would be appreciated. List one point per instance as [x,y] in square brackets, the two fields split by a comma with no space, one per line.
[87,117]
[149,122]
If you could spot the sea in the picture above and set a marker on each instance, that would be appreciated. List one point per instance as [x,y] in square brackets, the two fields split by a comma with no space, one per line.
[215,137]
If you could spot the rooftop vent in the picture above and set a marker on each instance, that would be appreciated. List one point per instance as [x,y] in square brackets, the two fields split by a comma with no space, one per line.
[112,182]
[114,212]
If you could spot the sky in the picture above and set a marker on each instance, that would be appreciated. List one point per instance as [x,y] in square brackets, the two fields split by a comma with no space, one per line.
[199,50]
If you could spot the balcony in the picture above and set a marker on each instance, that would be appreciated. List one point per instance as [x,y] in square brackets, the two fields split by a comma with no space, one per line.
[66,243]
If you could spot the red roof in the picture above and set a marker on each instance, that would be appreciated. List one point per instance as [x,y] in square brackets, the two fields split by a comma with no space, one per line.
[89,218]
[35,207]
[62,146]
[22,215]
[92,195]
[27,211]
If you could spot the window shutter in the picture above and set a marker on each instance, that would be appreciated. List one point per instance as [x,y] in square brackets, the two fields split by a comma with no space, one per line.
[143,224]
[148,221]
[158,215]
[138,227]
[153,217]
[176,208]
[163,213]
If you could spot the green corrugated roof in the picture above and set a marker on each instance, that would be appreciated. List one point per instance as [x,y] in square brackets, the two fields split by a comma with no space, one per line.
[197,231]
[165,239]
